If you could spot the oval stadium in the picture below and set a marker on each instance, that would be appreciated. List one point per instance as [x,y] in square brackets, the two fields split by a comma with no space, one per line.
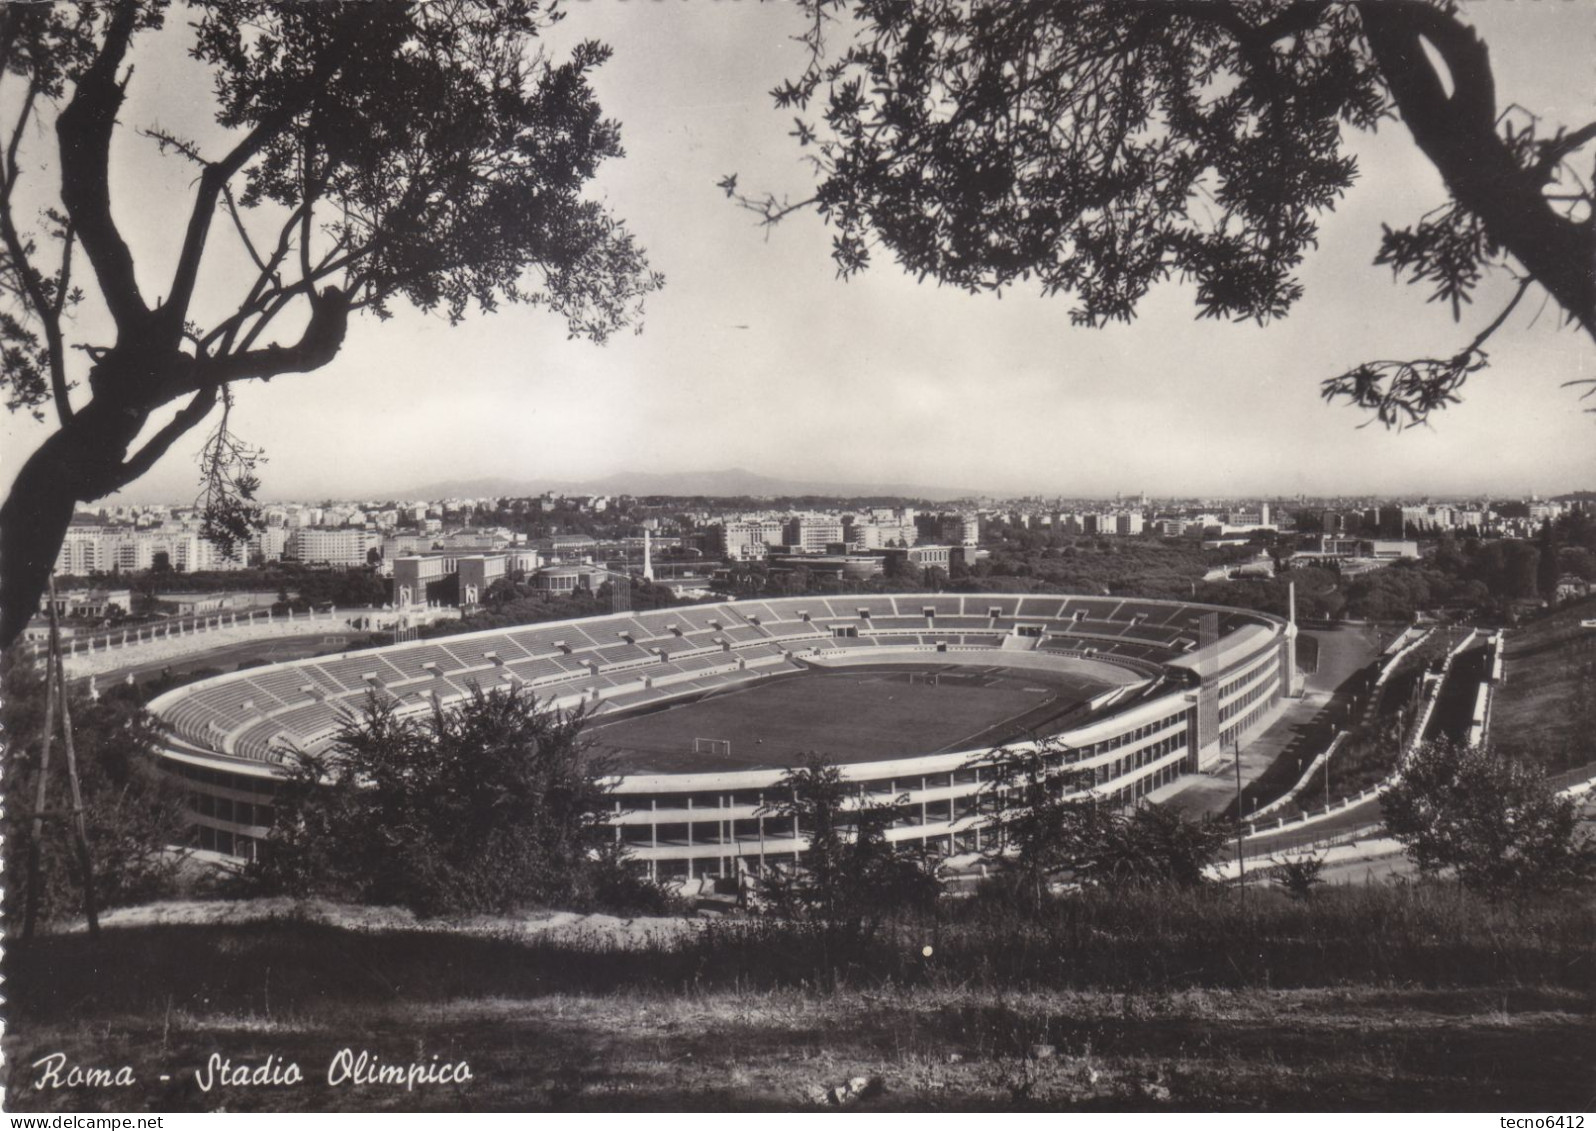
[700,709]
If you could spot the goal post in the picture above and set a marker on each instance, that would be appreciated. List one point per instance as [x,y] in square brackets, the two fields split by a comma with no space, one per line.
[924,677]
[717,747]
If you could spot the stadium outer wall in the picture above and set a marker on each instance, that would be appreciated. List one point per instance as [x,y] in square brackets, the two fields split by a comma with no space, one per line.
[1208,679]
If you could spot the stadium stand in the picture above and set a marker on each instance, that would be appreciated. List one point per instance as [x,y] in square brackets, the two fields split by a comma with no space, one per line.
[638,660]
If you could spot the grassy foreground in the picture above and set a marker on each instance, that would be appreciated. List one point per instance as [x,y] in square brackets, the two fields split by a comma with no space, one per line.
[1365,998]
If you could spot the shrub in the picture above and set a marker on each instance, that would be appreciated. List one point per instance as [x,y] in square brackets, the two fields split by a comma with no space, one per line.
[1044,829]
[1299,877]
[849,872]
[1491,819]
[487,806]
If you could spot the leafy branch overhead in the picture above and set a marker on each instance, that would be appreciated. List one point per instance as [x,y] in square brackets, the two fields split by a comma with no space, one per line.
[364,155]
[1097,148]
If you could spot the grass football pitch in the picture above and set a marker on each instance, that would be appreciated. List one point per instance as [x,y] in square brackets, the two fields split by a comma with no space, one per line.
[849,715]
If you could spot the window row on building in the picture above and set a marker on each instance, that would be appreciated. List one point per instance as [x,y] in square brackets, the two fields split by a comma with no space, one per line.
[1264,700]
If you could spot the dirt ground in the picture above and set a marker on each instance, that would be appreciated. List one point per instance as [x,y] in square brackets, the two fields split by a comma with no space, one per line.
[1292,1050]
[205,1007]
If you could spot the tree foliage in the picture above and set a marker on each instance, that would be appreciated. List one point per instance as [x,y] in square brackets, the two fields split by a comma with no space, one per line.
[1097,148]
[364,155]
[1046,826]
[487,806]
[134,814]
[1491,820]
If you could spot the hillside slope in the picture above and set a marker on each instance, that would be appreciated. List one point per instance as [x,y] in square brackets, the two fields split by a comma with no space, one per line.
[1546,708]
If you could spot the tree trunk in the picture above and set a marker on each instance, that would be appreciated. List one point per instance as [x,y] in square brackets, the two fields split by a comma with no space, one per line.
[79,463]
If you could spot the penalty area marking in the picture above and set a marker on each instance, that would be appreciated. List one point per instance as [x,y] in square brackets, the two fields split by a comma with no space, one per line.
[1001,723]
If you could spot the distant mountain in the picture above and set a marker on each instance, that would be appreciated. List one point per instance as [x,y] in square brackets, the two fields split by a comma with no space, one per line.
[731,482]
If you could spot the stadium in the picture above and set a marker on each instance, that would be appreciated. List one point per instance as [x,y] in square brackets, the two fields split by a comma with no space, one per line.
[700,709]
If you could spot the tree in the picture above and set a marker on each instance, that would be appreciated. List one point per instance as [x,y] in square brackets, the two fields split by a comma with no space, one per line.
[134,813]
[1299,876]
[1548,566]
[1521,579]
[849,872]
[1047,826]
[1039,824]
[363,154]
[1096,148]
[487,806]
[1490,819]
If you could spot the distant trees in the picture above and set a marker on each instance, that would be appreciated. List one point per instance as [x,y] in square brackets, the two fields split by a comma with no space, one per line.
[487,806]
[1461,573]
[1473,574]
[1143,567]
[1548,566]
[1490,820]
[134,814]
[903,573]
[344,588]
[1578,561]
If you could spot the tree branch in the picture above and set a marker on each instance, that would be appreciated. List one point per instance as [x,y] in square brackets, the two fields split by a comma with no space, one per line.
[54,339]
[1401,24]
[243,233]
[212,181]
[1458,135]
[1496,323]
[1403,394]
[84,131]
[63,279]
[227,330]
[146,457]
[16,137]
[1553,152]
[319,344]
[1296,18]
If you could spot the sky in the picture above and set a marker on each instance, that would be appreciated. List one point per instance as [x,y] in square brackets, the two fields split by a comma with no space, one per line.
[755,355]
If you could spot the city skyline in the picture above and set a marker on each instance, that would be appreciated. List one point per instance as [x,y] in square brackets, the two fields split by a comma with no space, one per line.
[754,356]
[931,496]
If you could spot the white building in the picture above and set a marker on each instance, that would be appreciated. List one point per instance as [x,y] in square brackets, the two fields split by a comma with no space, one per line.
[334,545]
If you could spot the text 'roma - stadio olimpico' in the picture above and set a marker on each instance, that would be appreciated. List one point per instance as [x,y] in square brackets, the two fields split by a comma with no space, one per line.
[1161,688]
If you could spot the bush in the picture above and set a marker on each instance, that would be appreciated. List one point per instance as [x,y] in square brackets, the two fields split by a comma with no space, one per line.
[1299,877]
[849,872]
[488,806]
[1490,819]
[1045,830]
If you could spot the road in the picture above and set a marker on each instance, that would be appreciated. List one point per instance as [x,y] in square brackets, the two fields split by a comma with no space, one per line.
[1300,733]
